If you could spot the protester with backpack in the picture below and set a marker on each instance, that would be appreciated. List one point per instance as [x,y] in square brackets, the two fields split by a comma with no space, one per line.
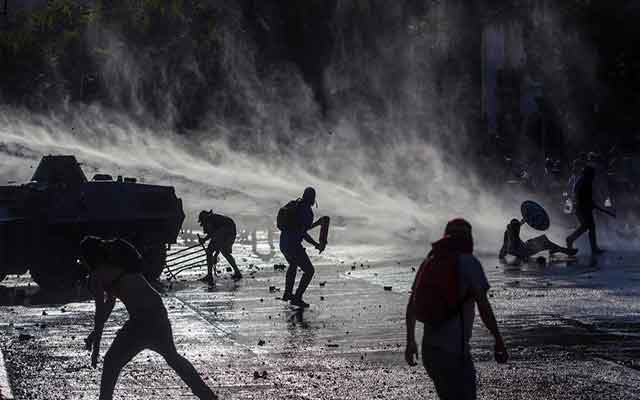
[448,285]
[294,220]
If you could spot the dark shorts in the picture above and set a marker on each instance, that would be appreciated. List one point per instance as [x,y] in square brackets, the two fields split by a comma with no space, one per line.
[453,375]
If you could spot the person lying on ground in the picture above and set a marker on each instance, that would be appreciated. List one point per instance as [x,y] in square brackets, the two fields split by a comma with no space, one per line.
[115,272]
[513,245]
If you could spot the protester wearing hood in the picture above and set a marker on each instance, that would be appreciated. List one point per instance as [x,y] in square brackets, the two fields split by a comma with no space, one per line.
[448,286]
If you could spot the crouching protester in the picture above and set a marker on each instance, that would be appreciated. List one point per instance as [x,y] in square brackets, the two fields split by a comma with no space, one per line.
[115,272]
[448,285]
[222,232]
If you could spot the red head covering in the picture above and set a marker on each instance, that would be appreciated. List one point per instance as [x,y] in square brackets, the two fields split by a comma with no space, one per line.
[436,290]
[457,238]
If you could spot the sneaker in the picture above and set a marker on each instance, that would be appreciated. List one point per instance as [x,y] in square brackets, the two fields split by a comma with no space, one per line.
[237,276]
[299,303]
[206,278]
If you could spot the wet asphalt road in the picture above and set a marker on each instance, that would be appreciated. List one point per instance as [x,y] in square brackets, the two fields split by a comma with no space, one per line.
[572,329]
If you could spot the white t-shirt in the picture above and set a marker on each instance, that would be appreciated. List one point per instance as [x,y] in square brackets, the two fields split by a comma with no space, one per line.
[448,336]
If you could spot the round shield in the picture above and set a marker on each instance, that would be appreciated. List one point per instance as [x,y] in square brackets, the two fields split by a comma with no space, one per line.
[534,215]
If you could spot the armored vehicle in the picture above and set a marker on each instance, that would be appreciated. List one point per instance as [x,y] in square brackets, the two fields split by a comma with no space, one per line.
[43,221]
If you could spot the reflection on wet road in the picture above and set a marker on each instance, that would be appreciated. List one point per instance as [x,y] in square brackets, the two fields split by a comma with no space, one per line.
[573,331]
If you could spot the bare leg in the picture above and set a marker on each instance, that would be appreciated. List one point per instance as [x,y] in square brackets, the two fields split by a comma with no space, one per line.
[290,280]
[211,259]
[124,347]
[232,261]
[185,370]
[308,271]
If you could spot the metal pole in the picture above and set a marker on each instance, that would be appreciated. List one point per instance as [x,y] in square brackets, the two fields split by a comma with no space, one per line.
[172,275]
[197,256]
[183,250]
[190,266]
[171,259]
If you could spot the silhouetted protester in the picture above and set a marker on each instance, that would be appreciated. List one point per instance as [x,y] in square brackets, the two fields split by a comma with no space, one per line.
[584,206]
[448,285]
[222,232]
[294,220]
[513,245]
[115,271]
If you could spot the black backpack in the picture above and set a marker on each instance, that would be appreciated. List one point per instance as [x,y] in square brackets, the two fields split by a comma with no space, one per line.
[288,216]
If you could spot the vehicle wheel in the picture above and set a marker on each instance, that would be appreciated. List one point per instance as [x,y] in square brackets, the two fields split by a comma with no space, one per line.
[154,256]
[57,268]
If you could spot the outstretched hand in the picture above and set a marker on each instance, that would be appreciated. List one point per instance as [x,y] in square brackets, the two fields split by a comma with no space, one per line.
[88,341]
[411,353]
[500,352]
[95,354]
